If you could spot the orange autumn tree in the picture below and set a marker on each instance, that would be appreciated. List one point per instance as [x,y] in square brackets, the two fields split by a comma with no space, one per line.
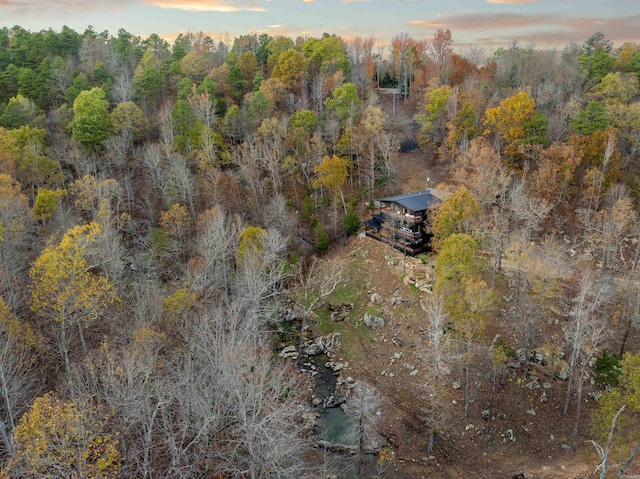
[59,439]
[65,290]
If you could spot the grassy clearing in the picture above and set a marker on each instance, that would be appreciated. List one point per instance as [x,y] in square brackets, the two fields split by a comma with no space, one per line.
[353,331]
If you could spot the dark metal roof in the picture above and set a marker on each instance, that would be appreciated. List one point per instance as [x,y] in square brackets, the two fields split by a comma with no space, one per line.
[373,223]
[418,201]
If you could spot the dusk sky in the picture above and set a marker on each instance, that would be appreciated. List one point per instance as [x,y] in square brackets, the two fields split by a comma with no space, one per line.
[488,23]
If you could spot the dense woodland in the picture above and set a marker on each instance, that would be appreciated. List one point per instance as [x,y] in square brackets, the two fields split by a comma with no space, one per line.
[158,204]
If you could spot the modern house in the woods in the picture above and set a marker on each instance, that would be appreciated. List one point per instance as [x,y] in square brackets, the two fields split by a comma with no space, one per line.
[402,221]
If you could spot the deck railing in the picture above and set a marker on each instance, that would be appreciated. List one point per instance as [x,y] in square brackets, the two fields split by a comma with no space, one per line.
[410,250]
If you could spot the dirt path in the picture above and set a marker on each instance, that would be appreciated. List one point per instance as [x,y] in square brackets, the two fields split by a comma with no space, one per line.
[415,170]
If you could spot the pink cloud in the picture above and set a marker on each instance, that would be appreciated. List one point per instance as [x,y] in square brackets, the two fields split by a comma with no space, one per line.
[206,5]
[482,21]
[35,7]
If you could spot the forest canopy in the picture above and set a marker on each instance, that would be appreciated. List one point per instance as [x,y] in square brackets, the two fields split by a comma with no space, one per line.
[162,205]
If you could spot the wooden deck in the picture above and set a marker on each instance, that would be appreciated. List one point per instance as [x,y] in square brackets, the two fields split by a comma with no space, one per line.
[410,250]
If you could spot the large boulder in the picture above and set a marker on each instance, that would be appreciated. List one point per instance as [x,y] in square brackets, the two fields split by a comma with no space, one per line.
[375,298]
[373,322]
[323,344]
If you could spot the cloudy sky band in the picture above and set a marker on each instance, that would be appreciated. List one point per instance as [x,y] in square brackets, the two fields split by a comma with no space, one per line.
[488,23]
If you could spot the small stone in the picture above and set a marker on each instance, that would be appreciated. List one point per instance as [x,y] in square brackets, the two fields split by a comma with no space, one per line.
[375,298]
[289,352]
[411,367]
[456,385]
[413,373]
[595,395]
[454,402]
[531,411]
[533,385]
[397,355]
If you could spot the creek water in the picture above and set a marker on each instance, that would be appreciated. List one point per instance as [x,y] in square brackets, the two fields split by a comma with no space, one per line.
[333,423]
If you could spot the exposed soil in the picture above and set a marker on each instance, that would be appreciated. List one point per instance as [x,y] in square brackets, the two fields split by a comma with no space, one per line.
[542,448]
[528,433]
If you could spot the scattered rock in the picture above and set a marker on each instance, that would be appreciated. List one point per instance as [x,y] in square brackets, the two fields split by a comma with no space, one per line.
[375,298]
[337,367]
[567,447]
[456,385]
[510,435]
[563,370]
[408,366]
[340,311]
[407,280]
[413,373]
[531,411]
[323,344]
[395,301]
[338,397]
[289,352]
[397,355]
[533,385]
[373,322]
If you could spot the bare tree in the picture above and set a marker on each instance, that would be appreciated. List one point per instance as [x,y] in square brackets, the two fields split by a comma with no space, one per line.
[18,385]
[362,410]
[217,241]
[314,286]
[259,281]
[436,352]
[123,88]
[585,334]
[15,221]
[604,452]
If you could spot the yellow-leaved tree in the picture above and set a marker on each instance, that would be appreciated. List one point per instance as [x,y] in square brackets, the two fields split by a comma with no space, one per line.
[60,439]
[65,290]
[467,298]
[332,174]
[517,122]
[456,214]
